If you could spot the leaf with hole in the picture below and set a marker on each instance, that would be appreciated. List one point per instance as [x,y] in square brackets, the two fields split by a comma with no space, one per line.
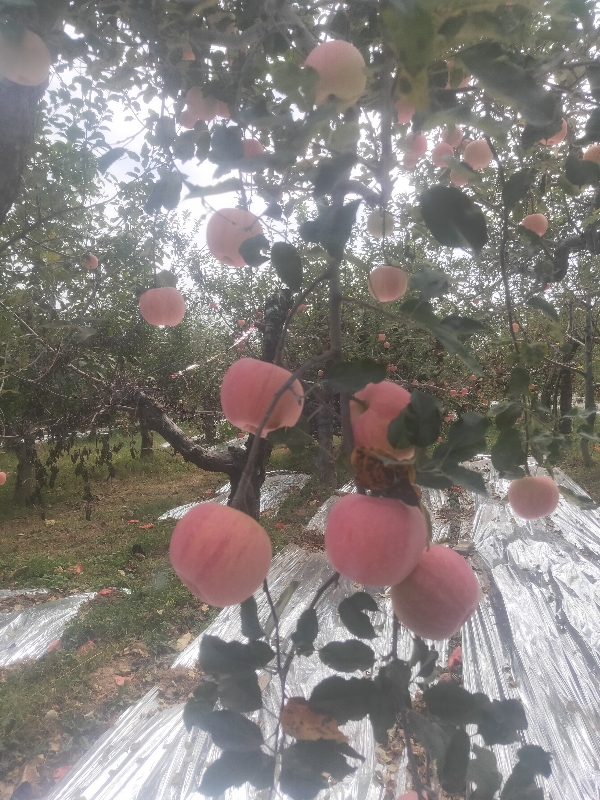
[351,611]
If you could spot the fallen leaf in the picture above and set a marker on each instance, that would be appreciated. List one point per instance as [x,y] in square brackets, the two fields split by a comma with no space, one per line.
[60,773]
[30,773]
[55,645]
[300,721]
[50,521]
[146,526]
[77,569]
[133,521]
[183,641]
[121,572]
[106,592]
[160,611]
[120,680]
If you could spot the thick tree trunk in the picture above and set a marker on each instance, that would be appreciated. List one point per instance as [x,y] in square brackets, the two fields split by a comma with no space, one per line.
[147,450]
[26,484]
[590,398]
[325,459]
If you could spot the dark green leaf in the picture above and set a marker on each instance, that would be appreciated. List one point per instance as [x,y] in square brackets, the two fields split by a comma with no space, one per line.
[218,657]
[466,438]
[483,772]
[251,250]
[332,170]
[431,735]
[453,218]
[592,126]
[533,353]
[451,703]
[499,721]
[288,265]
[283,600]
[164,132]
[506,414]
[226,148]
[463,326]
[235,769]
[418,424]
[304,766]
[104,161]
[409,30]
[469,479]
[351,611]
[336,233]
[430,282]
[232,731]
[520,380]
[544,306]
[343,699]
[184,146]
[165,193]
[251,628]
[296,439]
[347,656]
[165,278]
[204,699]
[352,376]
[452,767]
[507,453]
[240,692]
[517,186]
[306,632]
[393,680]
[580,172]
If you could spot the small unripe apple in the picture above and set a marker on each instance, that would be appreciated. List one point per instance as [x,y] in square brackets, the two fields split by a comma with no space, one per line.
[478,154]
[557,138]
[24,60]
[387,283]
[247,392]
[383,401]
[405,112]
[515,327]
[592,153]
[457,180]
[538,223]
[381,337]
[440,154]
[341,71]
[90,261]
[2,478]
[371,540]
[163,306]
[453,135]
[533,497]
[225,232]
[205,108]
[438,596]
[380,223]
[386,345]
[220,554]
[418,144]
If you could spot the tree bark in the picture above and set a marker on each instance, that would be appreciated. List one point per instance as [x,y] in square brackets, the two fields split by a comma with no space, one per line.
[210,427]
[26,484]
[147,450]
[325,460]
[590,398]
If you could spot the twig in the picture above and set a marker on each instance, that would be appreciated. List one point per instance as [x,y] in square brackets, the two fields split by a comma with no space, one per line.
[275,626]
[412,761]
[290,316]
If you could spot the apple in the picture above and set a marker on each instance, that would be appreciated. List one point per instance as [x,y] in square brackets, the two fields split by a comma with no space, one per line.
[24,60]
[453,392]
[187,52]
[247,392]
[90,261]
[241,322]
[405,112]
[418,144]
[205,108]
[453,135]
[188,118]
[320,373]
[464,391]
[341,71]
[533,497]
[440,153]
[557,138]
[225,232]
[163,306]
[387,284]
[592,153]
[381,337]
[380,223]
[302,308]
[391,368]
[2,478]
[515,327]
[457,180]
[386,345]
[538,223]
[415,383]
[408,796]
[212,304]
[430,383]
[472,377]
[223,110]
[252,147]
[220,554]
[478,154]
[383,401]
[372,540]
[438,596]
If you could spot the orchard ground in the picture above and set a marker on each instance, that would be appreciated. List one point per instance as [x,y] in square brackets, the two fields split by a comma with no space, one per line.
[57,706]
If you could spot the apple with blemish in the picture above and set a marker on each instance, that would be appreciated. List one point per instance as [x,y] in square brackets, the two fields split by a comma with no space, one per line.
[387,283]
[162,306]
[341,71]
[533,497]
[227,229]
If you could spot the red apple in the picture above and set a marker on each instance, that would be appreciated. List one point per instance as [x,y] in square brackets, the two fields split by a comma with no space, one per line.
[453,135]
[252,147]
[381,337]
[387,283]
[453,393]
[225,232]
[440,153]
[220,554]
[391,368]
[2,478]
[241,322]
[438,596]
[557,138]
[205,108]
[515,327]
[533,497]
[90,261]
[320,373]
[592,153]
[187,52]
[341,71]
[188,118]
[384,401]
[418,144]
[164,306]
[247,392]
[24,60]
[457,180]
[405,112]
[372,540]
[478,154]
[212,304]
[386,345]
[538,223]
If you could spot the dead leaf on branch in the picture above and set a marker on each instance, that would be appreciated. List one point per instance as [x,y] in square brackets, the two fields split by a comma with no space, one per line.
[301,722]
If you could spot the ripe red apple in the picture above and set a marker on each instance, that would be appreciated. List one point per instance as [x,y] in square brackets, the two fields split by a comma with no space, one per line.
[212,304]
[247,392]
[252,147]
[381,337]
[164,306]
[438,596]
[558,137]
[440,153]
[90,261]
[538,223]
[409,796]
[380,223]
[372,540]
[457,180]
[386,345]
[2,478]
[320,373]
[478,154]
[187,52]
[188,118]
[533,497]
[515,327]
[220,554]
[453,392]
[391,368]
[592,153]
[25,60]
[418,144]
[464,391]
[225,232]
[384,401]
[387,283]
[472,377]
[241,322]
[405,112]
[430,383]
[341,71]
[453,135]
[205,108]
[415,383]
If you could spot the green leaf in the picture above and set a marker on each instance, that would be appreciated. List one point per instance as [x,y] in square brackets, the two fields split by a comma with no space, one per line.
[218,657]
[453,218]
[232,731]
[453,766]
[226,148]
[332,170]
[431,735]
[580,172]
[184,146]
[235,769]
[164,132]
[351,611]
[165,193]
[305,765]
[520,380]
[332,228]
[544,306]
[418,424]
[106,160]
[296,439]
[483,772]
[281,603]
[344,699]
[533,353]
[347,656]
[517,186]
[507,453]
[451,703]
[393,681]
[165,278]
[306,632]
[463,327]
[251,628]
[592,126]
[288,265]
[251,250]
[430,282]
[203,701]
[506,414]
[352,376]
[466,438]
[240,692]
